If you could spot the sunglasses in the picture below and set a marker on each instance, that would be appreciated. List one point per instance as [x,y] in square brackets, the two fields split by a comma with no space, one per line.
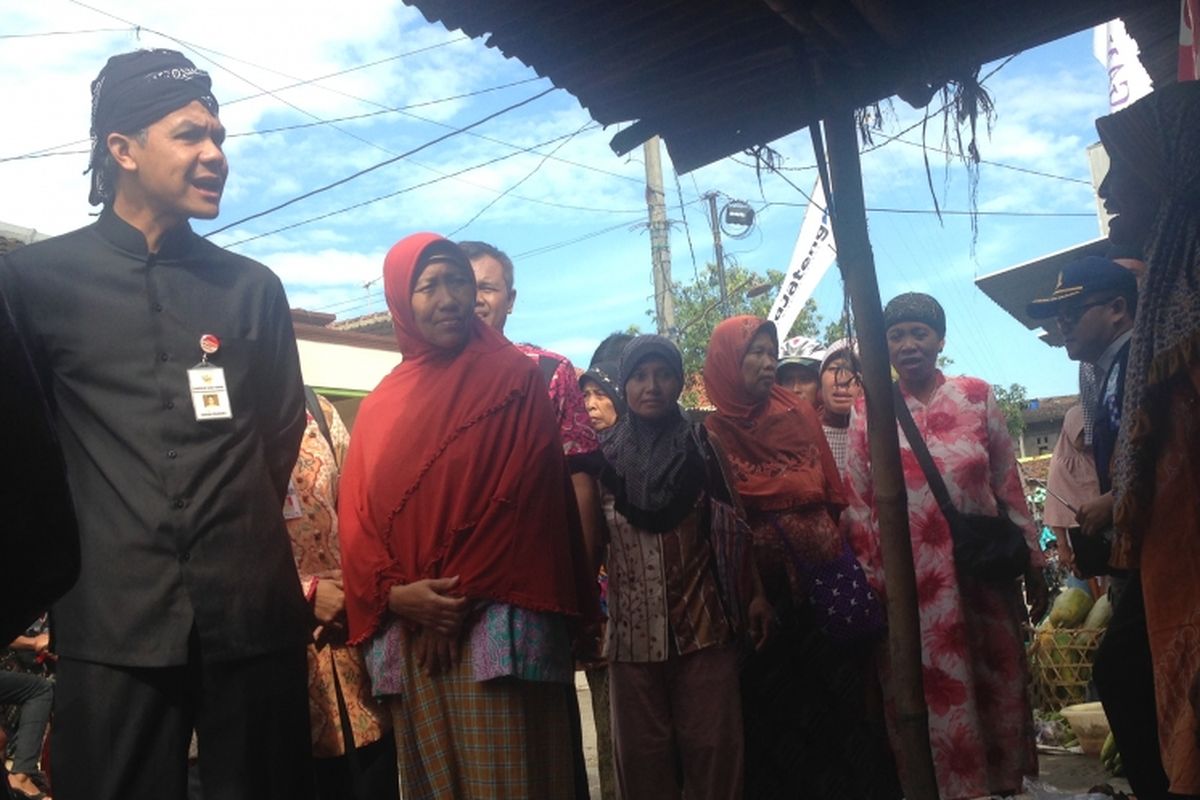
[1070,316]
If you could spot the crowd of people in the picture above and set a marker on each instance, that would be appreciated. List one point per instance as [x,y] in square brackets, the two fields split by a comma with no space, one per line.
[411,623]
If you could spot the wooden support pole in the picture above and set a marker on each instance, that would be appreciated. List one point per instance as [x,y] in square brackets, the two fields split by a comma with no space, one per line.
[857,264]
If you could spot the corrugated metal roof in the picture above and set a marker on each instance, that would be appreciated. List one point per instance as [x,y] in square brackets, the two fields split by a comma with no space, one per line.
[715,77]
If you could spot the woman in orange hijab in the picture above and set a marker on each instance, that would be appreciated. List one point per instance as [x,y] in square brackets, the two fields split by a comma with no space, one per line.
[462,559]
[804,695]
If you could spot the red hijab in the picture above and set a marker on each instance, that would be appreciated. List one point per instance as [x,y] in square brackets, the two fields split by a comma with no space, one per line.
[776,447]
[455,468]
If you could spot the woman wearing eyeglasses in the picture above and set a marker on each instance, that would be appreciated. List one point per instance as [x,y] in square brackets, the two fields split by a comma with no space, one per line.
[840,387]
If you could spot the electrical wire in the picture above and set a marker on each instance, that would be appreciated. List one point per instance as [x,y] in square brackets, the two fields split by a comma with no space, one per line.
[686,228]
[374,297]
[417,117]
[393,194]
[308,81]
[442,176]
[213,51]
[1046,214]
[539,251]
[298,126]
[65,33]
[380,111]
[548,248]
[999,164]
[196,47]
[384,163]
[347,302]
[883,210]
[507,191]
[540,164]
[31,156]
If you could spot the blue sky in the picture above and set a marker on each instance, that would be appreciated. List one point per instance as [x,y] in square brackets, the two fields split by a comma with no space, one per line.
[575,224]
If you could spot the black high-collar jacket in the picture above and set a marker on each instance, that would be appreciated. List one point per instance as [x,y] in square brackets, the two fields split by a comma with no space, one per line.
[180,521]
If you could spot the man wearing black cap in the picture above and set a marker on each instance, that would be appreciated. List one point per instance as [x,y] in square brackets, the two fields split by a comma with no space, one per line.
[173,376]
[1094,305]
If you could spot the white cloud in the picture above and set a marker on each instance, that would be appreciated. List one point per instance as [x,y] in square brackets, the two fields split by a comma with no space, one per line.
[1044,103]
[326,267]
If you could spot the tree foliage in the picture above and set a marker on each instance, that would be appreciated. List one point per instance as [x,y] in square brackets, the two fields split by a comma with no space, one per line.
[1012,402]
[698,309]
[836,330]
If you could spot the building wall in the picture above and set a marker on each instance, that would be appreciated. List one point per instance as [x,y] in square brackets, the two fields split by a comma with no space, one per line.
[337,366]
[1040,437]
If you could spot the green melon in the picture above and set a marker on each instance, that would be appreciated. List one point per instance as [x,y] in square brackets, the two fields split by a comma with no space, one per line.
[1070,608]
[1100,614]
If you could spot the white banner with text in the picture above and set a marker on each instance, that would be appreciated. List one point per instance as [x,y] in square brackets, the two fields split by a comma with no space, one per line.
[815,252]
[1128,80]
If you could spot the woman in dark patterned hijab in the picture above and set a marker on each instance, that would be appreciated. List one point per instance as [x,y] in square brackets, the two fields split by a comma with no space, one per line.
[682,590]
[1154,188]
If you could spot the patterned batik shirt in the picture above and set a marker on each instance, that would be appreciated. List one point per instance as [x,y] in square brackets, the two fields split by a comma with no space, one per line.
[574,427]
[663,596]
[314,536]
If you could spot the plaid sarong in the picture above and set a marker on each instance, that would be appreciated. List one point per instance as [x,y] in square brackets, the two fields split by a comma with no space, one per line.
[462,739]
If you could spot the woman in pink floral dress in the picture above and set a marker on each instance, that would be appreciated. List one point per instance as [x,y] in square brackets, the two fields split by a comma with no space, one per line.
[975,676]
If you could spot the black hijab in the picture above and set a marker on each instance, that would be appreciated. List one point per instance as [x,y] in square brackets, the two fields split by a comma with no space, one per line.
[604,374]
[655,469]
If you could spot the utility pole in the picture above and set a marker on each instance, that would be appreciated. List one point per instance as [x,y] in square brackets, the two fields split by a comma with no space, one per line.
[660,239]
[720,251]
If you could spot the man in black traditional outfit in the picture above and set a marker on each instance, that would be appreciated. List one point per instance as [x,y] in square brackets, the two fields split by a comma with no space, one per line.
[187,612]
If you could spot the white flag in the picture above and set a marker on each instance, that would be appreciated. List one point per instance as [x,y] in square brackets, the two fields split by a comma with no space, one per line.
[814,253]
[1118,52]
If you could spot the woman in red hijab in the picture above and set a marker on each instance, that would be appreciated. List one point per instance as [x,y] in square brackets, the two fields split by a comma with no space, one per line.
[461,556]
[808,731]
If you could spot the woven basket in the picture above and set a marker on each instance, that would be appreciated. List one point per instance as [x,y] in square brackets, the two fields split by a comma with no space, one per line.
[1060,661]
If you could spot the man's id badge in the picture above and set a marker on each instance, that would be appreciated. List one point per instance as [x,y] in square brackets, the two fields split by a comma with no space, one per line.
[291,504]
[210,396]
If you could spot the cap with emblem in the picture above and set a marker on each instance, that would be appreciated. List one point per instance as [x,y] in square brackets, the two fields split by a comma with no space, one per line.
[1087,276]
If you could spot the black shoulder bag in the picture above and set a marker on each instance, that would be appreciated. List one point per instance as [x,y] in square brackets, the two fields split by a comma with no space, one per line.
[313,403]
[989,549]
